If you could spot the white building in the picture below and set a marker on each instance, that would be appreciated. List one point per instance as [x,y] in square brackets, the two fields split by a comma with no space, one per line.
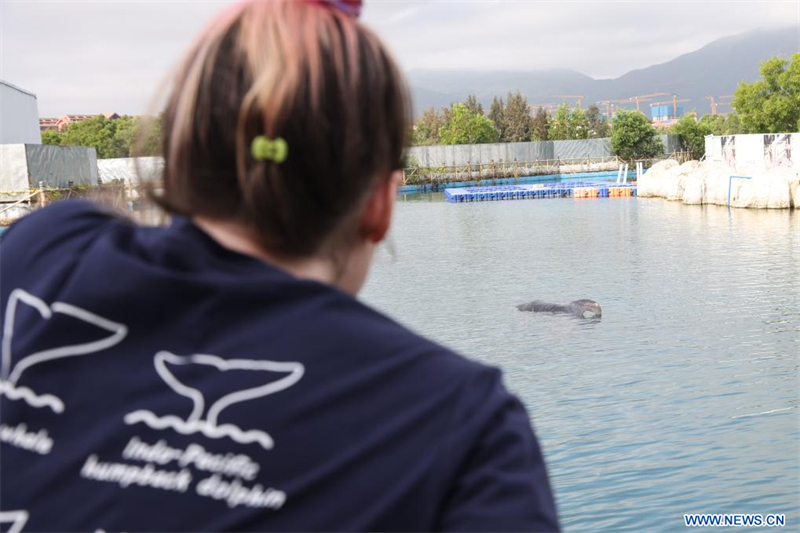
[19,116]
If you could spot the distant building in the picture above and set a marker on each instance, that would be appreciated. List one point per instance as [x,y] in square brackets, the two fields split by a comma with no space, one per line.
[19,115]
[665,115]
[48,124]
[64,122]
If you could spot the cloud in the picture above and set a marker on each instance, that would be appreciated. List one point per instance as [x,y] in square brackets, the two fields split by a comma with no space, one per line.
[601,39]
[92,57]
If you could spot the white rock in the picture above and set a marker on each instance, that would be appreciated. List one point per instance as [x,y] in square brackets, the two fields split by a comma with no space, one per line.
[706,182]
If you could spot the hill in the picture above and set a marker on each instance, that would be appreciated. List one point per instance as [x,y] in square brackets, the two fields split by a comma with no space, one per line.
[714,69]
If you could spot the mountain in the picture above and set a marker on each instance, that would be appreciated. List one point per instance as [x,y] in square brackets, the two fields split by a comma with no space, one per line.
[714,69]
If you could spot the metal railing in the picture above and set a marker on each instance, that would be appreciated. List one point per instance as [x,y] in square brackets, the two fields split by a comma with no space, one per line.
[419,175]
[29,195]
[503,169]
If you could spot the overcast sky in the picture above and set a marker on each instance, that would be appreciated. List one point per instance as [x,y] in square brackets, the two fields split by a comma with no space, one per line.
[111,55]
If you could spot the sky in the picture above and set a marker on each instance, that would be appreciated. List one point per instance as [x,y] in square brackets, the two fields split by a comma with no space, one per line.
[97,56]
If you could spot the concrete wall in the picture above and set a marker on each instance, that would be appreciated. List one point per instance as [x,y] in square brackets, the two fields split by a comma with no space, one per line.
[23,166]
[19,116]
[465,154]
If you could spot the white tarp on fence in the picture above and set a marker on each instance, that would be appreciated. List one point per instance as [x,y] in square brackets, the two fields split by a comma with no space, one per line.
[13,171]
[760,150]
[478,154]
[132,170]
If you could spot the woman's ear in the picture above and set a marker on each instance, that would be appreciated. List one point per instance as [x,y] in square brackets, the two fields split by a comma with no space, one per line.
[377,216]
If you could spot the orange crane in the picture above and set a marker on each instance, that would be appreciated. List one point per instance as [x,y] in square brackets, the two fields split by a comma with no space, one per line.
[645,98]
[726,96]
[578,97]
[610,103]
[715,103]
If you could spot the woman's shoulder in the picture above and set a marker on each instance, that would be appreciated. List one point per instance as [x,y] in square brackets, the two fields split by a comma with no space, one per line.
[55,223]
[370,331]
[54,235]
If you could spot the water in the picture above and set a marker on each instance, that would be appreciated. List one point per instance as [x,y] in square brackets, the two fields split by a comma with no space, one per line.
[683,398]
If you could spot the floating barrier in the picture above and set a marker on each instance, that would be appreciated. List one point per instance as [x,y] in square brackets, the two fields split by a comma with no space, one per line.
[494,182]
[565,189]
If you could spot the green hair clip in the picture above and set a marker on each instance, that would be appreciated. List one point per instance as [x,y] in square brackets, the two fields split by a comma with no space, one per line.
[264,149]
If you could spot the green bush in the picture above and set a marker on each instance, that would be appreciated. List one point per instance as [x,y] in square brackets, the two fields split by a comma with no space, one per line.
[633,137]
[467,127]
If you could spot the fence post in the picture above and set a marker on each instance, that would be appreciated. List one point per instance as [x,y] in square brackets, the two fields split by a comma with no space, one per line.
[42,196]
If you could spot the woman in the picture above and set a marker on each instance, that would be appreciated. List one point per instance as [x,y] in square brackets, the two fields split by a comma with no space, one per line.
[218,374]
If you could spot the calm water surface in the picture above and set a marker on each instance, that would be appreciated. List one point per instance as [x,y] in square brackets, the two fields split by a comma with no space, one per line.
[682,398]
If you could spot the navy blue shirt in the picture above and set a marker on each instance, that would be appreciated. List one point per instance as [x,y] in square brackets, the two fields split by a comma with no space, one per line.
[153,380]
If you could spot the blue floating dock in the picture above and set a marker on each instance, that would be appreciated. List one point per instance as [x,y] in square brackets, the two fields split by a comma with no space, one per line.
[563,189]
[492,182]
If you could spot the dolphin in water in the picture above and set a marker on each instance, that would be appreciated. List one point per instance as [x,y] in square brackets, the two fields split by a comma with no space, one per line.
[577,308]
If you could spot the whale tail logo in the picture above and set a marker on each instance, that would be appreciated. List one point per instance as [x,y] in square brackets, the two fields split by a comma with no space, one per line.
[17,519]
[204,417]
[10,376]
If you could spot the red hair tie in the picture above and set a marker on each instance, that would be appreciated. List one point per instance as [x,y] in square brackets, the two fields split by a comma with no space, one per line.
[351,8]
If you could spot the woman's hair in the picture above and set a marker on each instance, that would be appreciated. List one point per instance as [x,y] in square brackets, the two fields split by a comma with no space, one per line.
[300,71]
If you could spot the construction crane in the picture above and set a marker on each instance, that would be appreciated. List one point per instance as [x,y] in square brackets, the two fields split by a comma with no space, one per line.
[674,103]
[645,98]
[726,96]
[578,97]
[610,104]
[715,103]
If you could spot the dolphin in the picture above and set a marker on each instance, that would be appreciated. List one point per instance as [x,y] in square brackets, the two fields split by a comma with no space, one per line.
[577,308]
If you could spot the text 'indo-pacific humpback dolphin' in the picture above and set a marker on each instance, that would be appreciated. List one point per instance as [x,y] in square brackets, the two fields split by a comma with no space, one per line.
[579,308]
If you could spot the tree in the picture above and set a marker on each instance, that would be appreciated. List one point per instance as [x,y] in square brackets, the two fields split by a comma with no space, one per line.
[540,125]
[473,104]
[148,136]
[692,134]
[578,127]
[715,123]
[733,124]
[559,127]
[447,114]
[125,135]
[51,137]
[426,130]
[772,104]
[496,116]
[466,127]
[517,118]
[597,125]
[97,131]
[633,137]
